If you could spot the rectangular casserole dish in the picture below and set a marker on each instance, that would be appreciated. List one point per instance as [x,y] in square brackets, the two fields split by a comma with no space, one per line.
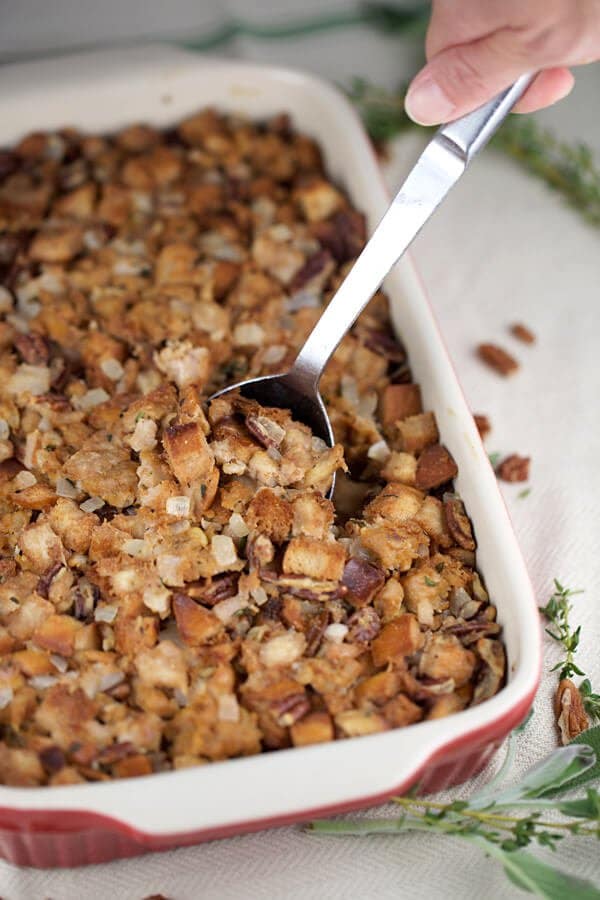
[91,823]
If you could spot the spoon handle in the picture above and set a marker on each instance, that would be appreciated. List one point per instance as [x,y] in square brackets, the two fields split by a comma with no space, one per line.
[437,170]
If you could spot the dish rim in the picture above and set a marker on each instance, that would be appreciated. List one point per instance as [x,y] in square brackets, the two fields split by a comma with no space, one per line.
[422,744]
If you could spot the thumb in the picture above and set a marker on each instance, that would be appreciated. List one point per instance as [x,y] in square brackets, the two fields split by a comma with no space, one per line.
[461,78]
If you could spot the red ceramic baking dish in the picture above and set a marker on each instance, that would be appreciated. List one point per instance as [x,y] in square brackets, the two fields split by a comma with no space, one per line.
[91,823]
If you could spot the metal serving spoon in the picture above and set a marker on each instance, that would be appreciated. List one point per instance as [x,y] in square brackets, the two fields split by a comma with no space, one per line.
[437,170]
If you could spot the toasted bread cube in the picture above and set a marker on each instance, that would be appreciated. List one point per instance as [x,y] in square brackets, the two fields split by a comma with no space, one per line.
[318,200]
[163,666]
[356,722]
[446,704]
[396,503]
[395,546]
[132,635]
[417,432]
[399,401]
[33,662]
[445,657]
[57,634]
[37,496]
[402,711]
[271,515]
[435,467]
[103,469]
[432,519]
[378,688]
[57,245]
[400,467]
[399,638]
[321,560]
[41,547]
[389,603]
[72,525]
[315,728]
[195,624]
[132,766]
[188,453]
[176,263]
[313,515]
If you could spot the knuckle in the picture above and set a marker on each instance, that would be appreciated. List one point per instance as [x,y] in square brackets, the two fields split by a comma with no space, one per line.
[462,73]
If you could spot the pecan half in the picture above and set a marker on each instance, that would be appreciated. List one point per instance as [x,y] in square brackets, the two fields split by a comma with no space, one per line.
[522,333]
[458,522]
[362,580]
[435,466]
[497,358]
[32,348]
[514,468]
[571,716]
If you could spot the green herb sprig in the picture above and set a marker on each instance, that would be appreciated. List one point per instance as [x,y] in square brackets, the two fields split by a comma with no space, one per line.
[557,611]
[502,821]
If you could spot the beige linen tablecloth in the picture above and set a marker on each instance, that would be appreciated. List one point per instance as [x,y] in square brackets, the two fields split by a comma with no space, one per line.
[503,248]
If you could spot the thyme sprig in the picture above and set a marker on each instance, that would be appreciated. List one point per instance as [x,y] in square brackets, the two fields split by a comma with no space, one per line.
[570,169]
[557,611]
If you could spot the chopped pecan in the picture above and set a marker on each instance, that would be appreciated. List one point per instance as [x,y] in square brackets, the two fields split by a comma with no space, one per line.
[569,710]
[435,467]
[343,235]
[290,709]
[522,333]
[316,269]
[483,425]
[43,585]
[471,631]
[497,358]
[492,654]
[514,468]
[265,430]
[315,631]
[458,522]
[32,348]
[363,625]
[362,579]
[215,589]
[385,344]
[52,758]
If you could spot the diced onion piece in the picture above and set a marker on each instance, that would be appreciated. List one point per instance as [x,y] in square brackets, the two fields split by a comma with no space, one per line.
[4,429]
[135,547]
[318,444]
[41,682]
[26,379]
[91,504]
[226,609]
[112,368]
[379,451]
[274,354]
[91,398]
[283,649]
[6,695]
[223,550]
[66,488]
[105,613]
[6,300]
[248,334]
[228,708]
[336,632]
[158,599]
[144,435]
[24,480]
[110,680]
[237,528]
[59,662]
[303,299]
[178,506]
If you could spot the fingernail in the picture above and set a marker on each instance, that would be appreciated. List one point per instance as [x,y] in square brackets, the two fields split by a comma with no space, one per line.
[427,104]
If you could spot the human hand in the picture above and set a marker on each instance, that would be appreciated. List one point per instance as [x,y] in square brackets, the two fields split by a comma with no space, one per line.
[477,48]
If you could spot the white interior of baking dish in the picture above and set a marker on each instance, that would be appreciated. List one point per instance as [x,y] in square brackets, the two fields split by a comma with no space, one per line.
[106,90]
